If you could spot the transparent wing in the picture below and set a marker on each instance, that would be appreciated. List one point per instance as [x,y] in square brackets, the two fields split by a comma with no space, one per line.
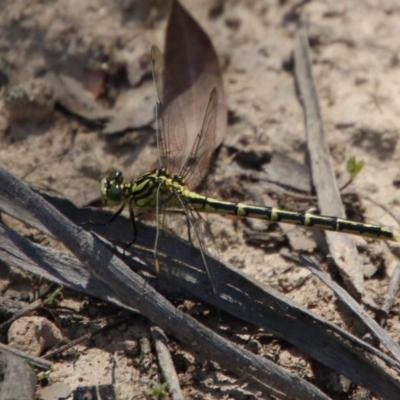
[171,132]
[197,227]
[196,164]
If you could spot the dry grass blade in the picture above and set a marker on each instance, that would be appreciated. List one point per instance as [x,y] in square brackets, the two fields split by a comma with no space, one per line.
[238,295]
[372,325]
[166,363]
[342,247]
[133,291]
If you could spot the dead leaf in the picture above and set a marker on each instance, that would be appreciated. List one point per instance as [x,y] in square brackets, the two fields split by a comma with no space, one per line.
[71,94]
[287,172]
[93,81]
[134,109]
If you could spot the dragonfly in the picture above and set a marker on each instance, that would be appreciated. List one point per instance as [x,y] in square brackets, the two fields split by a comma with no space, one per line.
[171,187]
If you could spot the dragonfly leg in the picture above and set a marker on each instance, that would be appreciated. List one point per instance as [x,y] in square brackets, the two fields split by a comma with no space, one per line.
[188,230]
[134,228]
[109,222]
[115,216]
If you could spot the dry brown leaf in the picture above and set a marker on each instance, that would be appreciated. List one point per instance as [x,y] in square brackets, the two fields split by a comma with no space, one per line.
[93,81]
[134,109]
[71,94]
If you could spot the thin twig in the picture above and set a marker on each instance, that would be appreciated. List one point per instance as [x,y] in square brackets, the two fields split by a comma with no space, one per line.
[349,301]
[35,361]
[26,310]
[166,364]
[392,290]
[81,339]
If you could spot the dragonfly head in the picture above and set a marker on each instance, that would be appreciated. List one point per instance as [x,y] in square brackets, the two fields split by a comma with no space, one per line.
[110,188]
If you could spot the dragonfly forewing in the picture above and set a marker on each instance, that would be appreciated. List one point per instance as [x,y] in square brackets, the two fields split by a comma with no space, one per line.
[171,132]
[197,162]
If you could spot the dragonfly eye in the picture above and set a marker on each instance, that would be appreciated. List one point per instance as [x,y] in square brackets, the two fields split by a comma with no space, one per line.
[115,175]
[111,193]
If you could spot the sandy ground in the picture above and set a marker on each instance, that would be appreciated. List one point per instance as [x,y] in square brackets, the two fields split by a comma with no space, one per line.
[355,51]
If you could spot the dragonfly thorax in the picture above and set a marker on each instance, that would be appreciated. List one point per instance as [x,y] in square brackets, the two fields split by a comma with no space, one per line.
[153,189]
[148,190]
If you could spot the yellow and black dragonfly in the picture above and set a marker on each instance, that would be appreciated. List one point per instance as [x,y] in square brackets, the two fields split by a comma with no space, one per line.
[171,187]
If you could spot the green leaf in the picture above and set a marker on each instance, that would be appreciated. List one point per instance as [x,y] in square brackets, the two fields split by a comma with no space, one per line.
[354,166]
[158,390]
